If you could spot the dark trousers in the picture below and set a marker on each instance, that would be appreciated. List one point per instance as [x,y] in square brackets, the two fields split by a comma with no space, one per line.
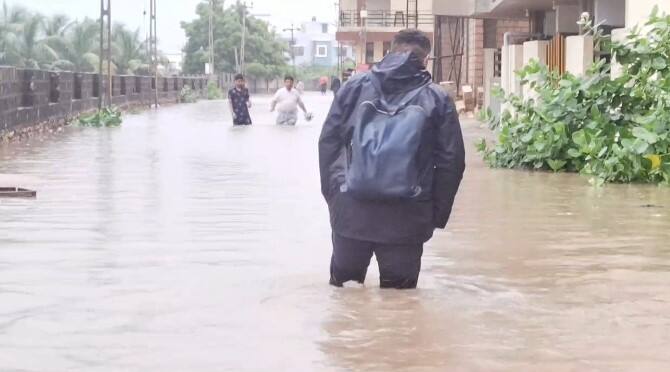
[399,264]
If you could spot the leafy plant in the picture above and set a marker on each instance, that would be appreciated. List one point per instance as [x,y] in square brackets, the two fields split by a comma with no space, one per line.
[107,117]
[615,130]
[262,44]
[187,95]
[213,92]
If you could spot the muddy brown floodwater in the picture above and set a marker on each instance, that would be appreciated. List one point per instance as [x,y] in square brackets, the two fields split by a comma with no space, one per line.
[179,243]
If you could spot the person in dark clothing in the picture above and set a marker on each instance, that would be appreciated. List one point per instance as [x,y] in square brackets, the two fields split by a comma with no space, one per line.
[239,101]
[335,84]
[393,228]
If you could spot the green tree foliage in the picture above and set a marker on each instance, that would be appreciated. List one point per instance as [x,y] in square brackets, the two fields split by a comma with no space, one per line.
[262,43]
[31,40]
[129,54]
[614,130]
[77,47]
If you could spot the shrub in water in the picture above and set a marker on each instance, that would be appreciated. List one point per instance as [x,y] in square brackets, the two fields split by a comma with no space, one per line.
[107,117]
[614,130]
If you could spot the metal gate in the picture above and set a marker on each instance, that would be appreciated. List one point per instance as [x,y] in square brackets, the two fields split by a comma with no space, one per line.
[450,36]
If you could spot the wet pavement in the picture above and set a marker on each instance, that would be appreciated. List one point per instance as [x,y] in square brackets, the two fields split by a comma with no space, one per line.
[179,243]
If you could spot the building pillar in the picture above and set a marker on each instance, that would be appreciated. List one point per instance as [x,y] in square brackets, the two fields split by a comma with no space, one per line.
[534,50]
[512,61]
[618,36]
[579,54]
[490,81]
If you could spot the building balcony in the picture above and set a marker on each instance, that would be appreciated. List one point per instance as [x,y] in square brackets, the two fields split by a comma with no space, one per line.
[491,8]
[382,21]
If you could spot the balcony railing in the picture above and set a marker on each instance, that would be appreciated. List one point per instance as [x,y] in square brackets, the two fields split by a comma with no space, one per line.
[384,18]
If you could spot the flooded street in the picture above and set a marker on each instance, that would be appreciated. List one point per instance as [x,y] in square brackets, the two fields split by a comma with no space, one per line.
[179,243]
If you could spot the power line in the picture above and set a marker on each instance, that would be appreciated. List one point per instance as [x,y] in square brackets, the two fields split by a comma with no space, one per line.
[292,44]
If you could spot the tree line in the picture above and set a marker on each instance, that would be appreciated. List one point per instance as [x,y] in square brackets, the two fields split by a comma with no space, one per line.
[32,40]
[265,54]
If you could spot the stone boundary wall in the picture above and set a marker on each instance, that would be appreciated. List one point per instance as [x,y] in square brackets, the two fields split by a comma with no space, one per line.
[39,100]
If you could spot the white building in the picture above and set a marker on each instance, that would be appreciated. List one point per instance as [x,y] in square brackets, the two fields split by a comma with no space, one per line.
[315,45]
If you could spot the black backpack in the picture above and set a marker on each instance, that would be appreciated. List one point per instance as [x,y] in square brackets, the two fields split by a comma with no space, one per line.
[383,157]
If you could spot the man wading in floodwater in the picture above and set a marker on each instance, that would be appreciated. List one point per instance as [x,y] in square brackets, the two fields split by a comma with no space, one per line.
[286,101]
[392,158]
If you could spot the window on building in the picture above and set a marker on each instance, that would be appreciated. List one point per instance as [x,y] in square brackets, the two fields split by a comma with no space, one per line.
[298,51]
[387,47]
[321,51]
[369,53]
[324,28]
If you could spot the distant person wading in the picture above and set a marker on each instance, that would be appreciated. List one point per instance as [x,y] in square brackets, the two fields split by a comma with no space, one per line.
[391,157]
[335,84]
[239,102]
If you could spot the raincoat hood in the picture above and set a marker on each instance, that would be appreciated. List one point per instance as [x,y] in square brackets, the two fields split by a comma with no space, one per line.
[399,72]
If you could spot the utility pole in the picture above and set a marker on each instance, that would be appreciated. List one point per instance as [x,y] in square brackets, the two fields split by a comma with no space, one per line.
[154,48]
[144,29]
[339,43]
[292,45]
[244,36]
[105,12]
[109,53]
[211,37]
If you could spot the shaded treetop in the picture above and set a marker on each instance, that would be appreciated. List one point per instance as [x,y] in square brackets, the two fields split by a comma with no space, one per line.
[262,44]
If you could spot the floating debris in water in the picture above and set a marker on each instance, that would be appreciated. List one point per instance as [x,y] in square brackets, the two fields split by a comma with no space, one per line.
[16,192]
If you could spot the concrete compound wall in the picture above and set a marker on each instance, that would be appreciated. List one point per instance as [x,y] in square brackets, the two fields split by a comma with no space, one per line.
[32,97]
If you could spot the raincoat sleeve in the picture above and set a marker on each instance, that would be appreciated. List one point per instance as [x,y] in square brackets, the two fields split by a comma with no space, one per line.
[332,154]
[449,163]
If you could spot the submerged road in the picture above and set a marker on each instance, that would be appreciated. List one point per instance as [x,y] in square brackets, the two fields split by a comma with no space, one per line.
[180,243]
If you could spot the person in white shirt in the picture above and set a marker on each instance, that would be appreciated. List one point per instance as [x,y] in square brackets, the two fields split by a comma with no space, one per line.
[286,101]
[300,87]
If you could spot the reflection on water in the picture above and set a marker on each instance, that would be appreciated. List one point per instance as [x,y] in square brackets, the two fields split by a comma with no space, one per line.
[179,243]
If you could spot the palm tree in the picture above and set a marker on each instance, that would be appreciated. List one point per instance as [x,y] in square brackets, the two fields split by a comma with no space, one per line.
[14,16]
[30,48]
[11,24]
[21,39]
[76,48]
[129,54]
[56,25]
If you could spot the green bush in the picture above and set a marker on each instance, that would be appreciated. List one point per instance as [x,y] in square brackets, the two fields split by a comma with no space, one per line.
[187,95]
[213,92]
[614,130]
[107,117]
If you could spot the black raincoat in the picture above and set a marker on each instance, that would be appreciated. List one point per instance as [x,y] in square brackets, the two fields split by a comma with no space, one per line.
[393,221]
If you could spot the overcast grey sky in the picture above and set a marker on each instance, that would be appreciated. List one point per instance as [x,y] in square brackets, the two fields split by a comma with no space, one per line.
[171,12]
